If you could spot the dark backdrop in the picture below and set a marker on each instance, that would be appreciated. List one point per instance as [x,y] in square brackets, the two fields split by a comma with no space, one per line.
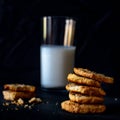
[97,37]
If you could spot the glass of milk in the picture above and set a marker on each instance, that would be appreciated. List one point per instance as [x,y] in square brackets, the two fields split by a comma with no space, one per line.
[56,62]
[57,53]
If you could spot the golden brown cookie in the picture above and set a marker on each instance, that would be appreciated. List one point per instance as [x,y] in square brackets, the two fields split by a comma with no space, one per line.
[83,80]
[93,75]
[86,90]
[20,87]
[77,97]
[74,107]
[13,95]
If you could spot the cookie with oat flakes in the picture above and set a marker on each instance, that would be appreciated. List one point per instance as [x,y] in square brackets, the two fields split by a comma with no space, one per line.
[75,107]
[85,90]
[82,80]
[80,98]
[93,75]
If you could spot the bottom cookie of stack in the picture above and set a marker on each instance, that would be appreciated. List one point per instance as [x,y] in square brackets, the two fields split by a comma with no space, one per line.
[75,107]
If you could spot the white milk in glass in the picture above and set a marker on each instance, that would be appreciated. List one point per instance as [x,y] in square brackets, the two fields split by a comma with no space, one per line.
[55,64]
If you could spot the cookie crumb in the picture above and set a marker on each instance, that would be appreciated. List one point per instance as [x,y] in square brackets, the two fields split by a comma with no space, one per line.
[26,106]
[20,101]
[35,100]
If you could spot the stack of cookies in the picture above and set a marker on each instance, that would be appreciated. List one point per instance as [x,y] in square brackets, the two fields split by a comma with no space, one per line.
[85,92]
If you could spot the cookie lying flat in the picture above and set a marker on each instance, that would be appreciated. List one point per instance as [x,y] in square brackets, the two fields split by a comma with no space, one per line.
[20,87]
[77,97]
[86,90]
[82,80]
[13,95]
[93,75]
[74,107]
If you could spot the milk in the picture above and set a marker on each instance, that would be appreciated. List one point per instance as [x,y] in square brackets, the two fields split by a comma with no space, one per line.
[56,62]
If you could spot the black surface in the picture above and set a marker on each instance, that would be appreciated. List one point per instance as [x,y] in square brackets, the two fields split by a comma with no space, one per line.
[50,109]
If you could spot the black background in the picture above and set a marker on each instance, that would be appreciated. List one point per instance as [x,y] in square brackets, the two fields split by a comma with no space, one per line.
[97,37]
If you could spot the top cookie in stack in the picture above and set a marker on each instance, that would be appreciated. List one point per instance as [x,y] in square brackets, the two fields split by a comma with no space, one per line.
[85,92]
[93,75]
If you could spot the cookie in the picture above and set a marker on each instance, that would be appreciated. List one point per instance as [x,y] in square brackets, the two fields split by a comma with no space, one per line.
[20,87]
[13,95]
[74,107]
[77,97]
[93,75]
[82,80]
[86,90]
